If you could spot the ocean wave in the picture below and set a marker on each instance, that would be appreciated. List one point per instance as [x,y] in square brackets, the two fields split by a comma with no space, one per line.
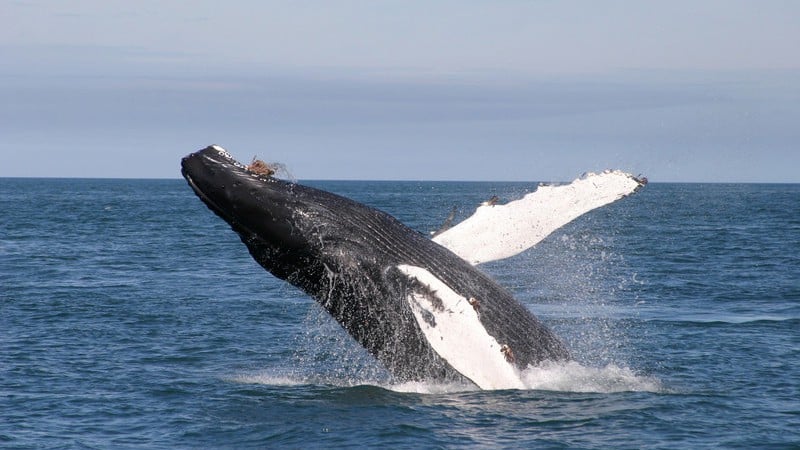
[728,319]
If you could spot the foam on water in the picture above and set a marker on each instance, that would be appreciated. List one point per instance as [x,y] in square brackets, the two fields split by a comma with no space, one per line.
[428,387]
[274,377]
[574,377]
[267,378]
[561,377]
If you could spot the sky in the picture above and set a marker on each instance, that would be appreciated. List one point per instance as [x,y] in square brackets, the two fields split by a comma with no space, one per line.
[678,91]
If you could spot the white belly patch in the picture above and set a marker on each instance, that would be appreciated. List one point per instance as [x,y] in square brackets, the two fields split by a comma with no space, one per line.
[451,325]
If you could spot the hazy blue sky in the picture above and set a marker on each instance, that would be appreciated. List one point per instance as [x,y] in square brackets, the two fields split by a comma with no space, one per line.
[489,90]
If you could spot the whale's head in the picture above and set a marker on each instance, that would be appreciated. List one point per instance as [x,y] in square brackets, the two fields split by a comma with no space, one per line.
[290,229]
[254,204]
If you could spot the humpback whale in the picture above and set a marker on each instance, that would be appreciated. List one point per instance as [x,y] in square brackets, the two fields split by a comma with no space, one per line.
[423,310]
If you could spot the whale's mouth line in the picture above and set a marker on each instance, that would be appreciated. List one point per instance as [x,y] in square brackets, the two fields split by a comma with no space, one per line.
[206,199]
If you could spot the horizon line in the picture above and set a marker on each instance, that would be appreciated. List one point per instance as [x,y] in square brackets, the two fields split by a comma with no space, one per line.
[357,180]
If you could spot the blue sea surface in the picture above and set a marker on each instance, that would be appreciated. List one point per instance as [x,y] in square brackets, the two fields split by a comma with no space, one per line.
[132,317]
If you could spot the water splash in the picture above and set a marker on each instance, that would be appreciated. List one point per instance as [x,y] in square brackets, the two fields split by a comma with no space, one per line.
[327,353]
[575,281]
[574,377]
[580,284]
[560,377]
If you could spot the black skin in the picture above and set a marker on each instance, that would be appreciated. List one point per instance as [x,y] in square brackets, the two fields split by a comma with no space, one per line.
[345,255]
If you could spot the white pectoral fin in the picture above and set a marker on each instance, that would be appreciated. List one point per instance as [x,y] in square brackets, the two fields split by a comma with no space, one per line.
[453,329]
[500,231]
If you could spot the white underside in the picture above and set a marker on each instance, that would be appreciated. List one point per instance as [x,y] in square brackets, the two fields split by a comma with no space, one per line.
[499,231]
[458,335]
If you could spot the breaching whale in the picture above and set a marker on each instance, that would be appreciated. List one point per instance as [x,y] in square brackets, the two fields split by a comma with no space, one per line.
[425,312]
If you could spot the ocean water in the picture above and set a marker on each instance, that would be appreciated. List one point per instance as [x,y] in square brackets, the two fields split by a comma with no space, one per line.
[132,317]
